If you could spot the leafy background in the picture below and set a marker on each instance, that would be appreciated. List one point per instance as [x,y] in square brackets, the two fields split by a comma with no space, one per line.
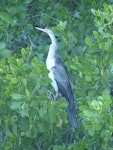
[30,119]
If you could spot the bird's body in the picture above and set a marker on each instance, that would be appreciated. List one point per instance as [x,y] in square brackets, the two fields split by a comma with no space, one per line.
[61,79]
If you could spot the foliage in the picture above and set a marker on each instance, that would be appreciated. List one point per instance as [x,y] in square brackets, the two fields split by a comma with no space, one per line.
[96,105]
[29,116]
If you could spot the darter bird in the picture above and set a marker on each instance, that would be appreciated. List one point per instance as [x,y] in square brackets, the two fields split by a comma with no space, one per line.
[60,76]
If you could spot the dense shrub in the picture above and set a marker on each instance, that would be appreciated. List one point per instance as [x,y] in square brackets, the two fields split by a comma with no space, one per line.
[30,118]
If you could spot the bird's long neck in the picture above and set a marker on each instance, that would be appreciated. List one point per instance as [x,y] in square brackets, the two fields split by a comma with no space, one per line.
[53,39]
[53,47]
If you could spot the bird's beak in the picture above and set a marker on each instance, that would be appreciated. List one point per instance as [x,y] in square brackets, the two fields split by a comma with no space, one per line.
[41,29]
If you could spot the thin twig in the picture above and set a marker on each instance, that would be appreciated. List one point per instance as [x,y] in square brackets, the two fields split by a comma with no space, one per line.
[33,92]
[50,17]
[43,14]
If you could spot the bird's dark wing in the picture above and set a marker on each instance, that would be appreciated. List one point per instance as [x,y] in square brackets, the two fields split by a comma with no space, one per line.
[63,80]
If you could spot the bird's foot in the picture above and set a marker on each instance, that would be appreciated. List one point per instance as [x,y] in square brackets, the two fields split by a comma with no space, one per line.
[56,96]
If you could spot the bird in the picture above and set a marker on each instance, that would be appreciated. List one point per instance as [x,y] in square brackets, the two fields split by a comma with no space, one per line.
[60,76]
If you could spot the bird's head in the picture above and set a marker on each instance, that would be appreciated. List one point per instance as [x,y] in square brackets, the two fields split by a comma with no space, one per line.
[51,35]
[48,31]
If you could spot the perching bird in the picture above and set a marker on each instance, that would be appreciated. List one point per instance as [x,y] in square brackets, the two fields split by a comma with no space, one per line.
[61,79]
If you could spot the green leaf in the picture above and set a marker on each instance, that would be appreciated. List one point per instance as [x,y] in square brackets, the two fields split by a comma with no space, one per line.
[59,147]
[94,12]
[97,105]
[15,105]
[4,53]
[34,62]
[96,33]
[16,96]
[93,49]
[87,113]
[5,17]
[100,29]
[2,45]
[13,67]
[51,112]
[20,62]
[24,113]
[97,71]
[106,7]
[108,44]
[62,25]
[11,10]
[62,103]
[23,51]
[88,78]
[14,128]
[88,41]
[42,112]
[91,132]
[14,80]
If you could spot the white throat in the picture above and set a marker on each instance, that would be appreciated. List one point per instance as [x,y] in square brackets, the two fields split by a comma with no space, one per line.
[50,61]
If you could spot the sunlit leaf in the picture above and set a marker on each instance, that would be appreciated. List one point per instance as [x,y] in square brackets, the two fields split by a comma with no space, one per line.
[57,147]
[16,105]
[24,113]
[16,96]
[94,12]
[5,17]
[14,80]
[88,78]
[88,41]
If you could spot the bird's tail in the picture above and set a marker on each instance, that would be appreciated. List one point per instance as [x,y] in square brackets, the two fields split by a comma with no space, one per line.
[71,117]
[71,109]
